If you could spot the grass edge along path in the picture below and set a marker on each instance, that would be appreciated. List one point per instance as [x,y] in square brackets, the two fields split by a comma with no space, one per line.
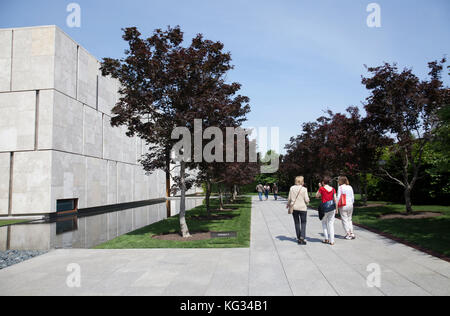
[429,235]
[240,223]
[404,242]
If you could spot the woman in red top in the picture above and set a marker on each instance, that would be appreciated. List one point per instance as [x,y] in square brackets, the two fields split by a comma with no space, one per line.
[328,194]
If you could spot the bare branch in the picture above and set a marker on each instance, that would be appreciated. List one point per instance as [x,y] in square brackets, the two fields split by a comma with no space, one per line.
[172,169]
[393,178]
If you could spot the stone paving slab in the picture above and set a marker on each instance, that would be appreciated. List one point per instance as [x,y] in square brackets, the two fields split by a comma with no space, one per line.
[273,265]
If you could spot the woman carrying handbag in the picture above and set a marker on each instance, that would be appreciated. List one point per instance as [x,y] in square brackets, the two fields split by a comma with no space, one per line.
[346,199]
[298,201]
[329,208]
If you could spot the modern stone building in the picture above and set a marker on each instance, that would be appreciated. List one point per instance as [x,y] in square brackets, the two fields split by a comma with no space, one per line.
[56,141]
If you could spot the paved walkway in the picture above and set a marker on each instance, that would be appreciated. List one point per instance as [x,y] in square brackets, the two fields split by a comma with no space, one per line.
[274,265]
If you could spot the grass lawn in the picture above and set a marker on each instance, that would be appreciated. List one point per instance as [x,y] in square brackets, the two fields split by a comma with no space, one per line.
[10,222]
[430,233]
[142,238]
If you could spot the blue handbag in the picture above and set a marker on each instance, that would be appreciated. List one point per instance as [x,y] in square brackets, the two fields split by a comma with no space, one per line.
[328,206]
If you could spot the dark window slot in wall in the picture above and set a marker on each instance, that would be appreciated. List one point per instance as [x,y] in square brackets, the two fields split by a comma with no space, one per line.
[66,207]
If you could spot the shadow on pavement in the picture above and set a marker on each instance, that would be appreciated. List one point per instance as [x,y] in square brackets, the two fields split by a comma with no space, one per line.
[313,240]
[284,238]
[294,240]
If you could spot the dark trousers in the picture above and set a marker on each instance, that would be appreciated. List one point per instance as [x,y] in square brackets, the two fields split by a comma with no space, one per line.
[300,218]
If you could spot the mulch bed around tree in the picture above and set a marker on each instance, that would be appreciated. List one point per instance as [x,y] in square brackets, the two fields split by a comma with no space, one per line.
[418,215]
[213,217]
[178,237]
[224,210]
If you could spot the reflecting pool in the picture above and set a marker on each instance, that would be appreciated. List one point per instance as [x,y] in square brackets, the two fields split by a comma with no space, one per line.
[88,228]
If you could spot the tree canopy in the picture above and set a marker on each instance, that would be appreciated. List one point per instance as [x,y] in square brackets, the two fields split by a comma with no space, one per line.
[166,85]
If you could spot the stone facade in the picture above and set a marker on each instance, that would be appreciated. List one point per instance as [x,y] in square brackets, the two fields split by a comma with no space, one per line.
[56,140]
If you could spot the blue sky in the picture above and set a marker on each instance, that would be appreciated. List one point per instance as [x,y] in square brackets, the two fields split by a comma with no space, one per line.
[295,58]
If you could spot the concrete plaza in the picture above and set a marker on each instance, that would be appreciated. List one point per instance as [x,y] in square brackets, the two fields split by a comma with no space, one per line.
[274,265]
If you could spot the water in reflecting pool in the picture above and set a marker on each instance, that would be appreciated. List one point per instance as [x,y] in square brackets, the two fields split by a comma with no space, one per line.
[86,230]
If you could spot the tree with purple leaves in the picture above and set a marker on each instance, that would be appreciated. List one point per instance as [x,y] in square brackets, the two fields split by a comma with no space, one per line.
[164,86]
[406,109]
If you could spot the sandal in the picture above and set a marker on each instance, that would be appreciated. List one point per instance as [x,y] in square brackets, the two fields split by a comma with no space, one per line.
[326,242]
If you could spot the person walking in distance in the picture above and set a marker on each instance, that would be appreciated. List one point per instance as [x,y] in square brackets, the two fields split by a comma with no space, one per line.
[329,207]
[260,190]
[346,199]
[267,191]
[298,201]
[275,191]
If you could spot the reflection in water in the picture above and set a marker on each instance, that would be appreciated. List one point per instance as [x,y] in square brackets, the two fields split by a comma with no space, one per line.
[86,231]
[66,224]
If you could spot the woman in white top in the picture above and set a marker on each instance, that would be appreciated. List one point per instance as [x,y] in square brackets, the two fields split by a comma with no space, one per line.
[298,201]
[346,193]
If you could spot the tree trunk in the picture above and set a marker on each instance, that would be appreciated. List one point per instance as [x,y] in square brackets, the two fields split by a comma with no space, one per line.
[232,194]
[208,198]
[408,185]
[408,200]
[168,205]
[221,198]
[183,225]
